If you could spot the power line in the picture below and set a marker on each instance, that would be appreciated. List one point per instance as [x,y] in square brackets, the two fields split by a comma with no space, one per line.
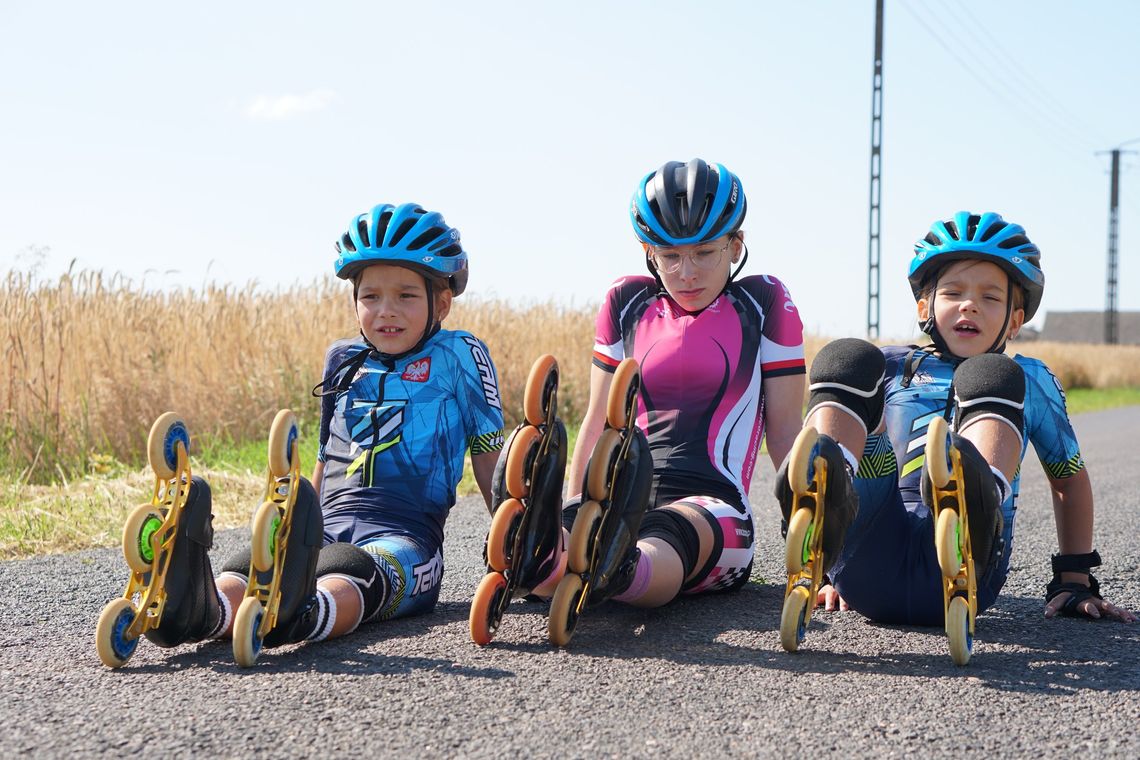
[994,78]
[1025,77]
[987,83]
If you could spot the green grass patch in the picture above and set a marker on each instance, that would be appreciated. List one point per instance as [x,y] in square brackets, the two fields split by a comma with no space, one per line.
[1096,399]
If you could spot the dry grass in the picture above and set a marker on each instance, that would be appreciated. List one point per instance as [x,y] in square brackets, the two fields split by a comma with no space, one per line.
[90,360]
[1086,365]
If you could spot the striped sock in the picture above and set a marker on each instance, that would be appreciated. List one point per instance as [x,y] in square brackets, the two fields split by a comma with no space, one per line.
[326,616]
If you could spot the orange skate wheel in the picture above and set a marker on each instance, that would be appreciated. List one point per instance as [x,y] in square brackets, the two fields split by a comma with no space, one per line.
[487,596]
[503,528]
[621,404]
[937,455]
[564,610]
[797,548]
[601,461]
[946,543]
[541,390]
[519,459]
[586,524]
[793,618]
[801,461]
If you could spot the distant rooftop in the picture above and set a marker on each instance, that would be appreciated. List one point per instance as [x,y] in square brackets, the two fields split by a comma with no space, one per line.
[1088,327]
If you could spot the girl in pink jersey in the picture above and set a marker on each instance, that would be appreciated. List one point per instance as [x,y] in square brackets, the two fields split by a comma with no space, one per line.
[722,367]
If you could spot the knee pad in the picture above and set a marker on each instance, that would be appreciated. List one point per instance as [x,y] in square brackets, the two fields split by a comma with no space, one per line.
[990,386]
[848,374]
[357,566]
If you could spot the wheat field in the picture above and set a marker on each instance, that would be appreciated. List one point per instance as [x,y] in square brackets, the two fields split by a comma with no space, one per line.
[91,359]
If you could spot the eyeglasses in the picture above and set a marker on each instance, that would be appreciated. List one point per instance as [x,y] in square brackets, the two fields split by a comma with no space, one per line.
[669,261]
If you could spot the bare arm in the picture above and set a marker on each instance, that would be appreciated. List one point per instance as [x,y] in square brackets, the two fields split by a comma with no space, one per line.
[483,467]
[783,414]
[1073,514]
[591,430]
[318,476]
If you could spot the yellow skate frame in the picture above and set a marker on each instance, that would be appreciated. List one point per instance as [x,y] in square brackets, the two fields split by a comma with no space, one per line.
[283,493]
[169,497]
[951,496]
[809,495]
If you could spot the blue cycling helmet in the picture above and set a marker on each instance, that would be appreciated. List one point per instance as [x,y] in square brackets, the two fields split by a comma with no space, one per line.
[680,204]
[405,235]
[987,237]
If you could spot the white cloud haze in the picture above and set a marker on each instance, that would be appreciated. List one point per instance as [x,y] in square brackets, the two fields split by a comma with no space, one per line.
[282,107]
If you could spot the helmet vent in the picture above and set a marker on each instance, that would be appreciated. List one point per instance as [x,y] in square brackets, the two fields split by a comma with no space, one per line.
[993,229]
[952,228]
[1014,242]
[362,230]
[404,228]
[345,244]
[425,238]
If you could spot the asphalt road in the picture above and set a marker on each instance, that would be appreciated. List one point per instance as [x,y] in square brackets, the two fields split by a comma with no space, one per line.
[703,677]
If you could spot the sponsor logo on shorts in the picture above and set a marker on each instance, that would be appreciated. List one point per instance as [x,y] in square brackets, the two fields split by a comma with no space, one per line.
[427,576]
[418,371]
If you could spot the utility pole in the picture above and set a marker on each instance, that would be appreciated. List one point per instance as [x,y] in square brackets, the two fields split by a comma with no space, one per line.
[1110,336]
[873,217]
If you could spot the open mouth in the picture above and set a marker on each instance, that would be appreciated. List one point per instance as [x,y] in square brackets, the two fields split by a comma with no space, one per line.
[966,328]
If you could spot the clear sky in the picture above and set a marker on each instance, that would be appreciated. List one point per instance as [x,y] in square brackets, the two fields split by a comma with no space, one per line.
[234,141]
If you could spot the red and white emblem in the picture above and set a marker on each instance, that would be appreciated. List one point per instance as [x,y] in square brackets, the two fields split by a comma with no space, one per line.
[418,371]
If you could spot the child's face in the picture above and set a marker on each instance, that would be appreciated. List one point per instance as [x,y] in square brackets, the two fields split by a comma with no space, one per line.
[392,307]
[693,286]
[969,307]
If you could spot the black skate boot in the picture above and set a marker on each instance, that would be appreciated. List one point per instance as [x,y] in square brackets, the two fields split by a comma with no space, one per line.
[280,605]
[817,498]
[962,493]
[523,546]
[602,555]
[170,596]
[192,612]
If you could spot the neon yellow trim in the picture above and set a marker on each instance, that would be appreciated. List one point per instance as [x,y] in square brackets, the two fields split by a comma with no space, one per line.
[912,465]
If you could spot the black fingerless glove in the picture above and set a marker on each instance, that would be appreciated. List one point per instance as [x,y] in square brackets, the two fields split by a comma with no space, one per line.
[1078,592]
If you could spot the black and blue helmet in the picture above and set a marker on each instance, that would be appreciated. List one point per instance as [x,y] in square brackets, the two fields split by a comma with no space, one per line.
[681,204]
[407,235]
[987,237]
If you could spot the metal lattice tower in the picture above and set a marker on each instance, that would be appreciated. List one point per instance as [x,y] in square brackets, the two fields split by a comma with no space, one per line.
[873,218]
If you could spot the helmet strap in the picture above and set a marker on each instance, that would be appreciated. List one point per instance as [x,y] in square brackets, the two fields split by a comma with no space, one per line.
[743,261]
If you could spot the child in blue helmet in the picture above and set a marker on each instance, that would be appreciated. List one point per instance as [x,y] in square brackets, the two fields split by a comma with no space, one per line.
[976,279]
[401,405]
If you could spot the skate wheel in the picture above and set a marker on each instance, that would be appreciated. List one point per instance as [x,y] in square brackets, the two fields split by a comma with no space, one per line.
[958,630]
[601,461]
[167,432]
[266,521]
[797,549]
[564,610]
[485,615]
[946,543]
[937,453]
[519,460]
[586,525]
[282,440]
[142,523]
[500,539]
[541,391]
[621,404]
[802,461]
[111,641]
[793,619]
[247,644]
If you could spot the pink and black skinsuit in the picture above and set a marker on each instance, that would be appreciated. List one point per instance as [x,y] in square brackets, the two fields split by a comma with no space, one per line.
[702,406]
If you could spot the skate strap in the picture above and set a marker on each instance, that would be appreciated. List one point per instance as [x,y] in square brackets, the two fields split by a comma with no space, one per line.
[1078,592]
[1075,563]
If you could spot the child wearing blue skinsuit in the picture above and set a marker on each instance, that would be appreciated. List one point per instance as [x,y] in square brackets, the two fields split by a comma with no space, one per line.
[401,405]
[976,279]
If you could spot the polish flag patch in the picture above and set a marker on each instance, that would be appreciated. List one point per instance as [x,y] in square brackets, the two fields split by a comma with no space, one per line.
[418,371]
